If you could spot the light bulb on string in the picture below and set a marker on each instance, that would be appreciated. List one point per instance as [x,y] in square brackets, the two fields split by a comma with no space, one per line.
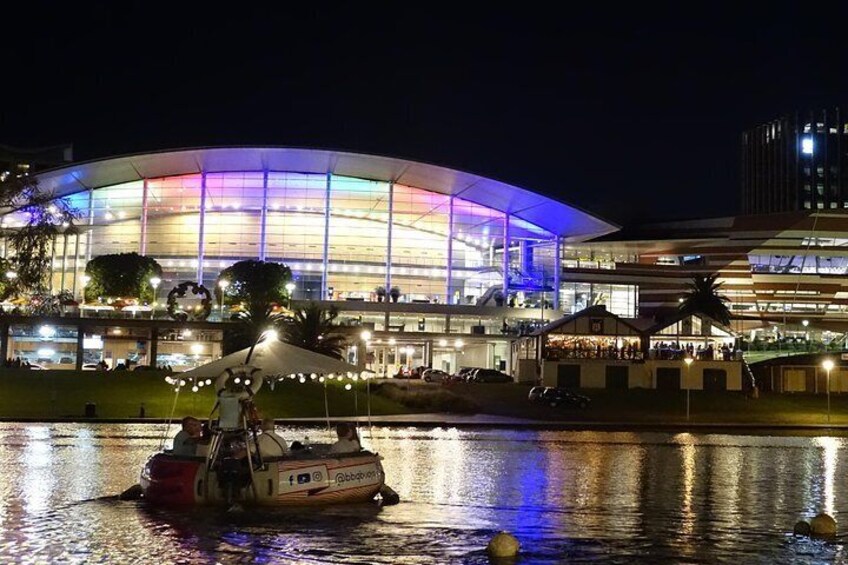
[348,386]
[320,379]
[194,388]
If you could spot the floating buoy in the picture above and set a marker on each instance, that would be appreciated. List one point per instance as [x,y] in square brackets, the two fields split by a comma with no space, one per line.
[801,528]
[503,544]
[389,496]
[823,525]
[132,493]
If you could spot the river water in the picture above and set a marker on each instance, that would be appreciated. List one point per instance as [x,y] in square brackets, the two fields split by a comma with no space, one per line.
[580,496]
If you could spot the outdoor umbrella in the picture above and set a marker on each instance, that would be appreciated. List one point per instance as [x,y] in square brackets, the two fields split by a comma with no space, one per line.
[274,358]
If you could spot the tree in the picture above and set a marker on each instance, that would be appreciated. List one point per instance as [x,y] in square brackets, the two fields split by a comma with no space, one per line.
[122,275]
[43,218]
[314,328]
[257,286]
[702,297]
[254,284]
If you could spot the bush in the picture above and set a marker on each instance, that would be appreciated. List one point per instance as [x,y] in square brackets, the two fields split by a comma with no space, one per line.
[426,398]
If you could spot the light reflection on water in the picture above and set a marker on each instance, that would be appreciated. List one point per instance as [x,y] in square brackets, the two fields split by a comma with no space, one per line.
[576,496]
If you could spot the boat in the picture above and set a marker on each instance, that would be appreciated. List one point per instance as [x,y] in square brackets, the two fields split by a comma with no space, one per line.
[311,475]
[308,477]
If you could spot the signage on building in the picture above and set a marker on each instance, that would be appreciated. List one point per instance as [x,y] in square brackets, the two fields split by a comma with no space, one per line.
[596,325]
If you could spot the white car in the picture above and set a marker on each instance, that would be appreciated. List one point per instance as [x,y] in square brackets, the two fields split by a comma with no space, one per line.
[435,376]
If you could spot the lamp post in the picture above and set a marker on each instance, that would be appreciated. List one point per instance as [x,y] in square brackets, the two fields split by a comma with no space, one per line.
[828,367]
[290,286]
[154,282]
[223,284]
[688,361]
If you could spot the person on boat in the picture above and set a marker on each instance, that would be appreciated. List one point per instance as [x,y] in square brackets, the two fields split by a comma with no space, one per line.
[270,444]
[204,441]
[186,440]
[348,441]
[230,401]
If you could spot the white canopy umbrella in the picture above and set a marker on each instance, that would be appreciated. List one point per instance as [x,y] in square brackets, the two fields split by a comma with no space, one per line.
[274,358]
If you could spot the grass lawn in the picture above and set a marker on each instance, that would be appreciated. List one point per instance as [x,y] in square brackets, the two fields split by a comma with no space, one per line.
[64,394]
[651,406]
[119,395]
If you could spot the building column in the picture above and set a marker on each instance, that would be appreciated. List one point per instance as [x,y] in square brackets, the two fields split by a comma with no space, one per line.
[449,278]
[428,353]
[90,225]
[200,242]
[389,242]
[263,220]
[80,347]
[144,197]
[76,263]
[506,256]
[557,270]
[4,341]
[326,258]
[153,348]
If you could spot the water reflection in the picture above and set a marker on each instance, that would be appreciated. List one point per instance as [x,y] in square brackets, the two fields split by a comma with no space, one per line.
[643,497]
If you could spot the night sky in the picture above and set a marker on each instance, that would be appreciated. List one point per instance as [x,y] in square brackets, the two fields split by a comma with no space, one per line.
[632,115]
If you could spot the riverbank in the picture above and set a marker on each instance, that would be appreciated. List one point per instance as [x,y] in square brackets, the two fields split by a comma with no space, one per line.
[145,396]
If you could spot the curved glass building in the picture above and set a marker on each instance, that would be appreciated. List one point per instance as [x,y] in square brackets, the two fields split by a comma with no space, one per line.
[345,223]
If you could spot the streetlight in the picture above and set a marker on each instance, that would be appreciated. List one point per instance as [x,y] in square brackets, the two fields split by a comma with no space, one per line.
[223,284]
[154,282]
[688,361]
[290,286]
[365,335]
[828,367]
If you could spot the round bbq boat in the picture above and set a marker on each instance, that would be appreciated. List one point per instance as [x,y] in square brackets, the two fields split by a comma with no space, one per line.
[312,475]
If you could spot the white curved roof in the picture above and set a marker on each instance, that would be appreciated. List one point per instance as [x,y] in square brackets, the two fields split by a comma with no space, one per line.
[557,217]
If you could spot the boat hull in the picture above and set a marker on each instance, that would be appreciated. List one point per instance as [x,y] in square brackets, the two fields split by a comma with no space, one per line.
[171,480]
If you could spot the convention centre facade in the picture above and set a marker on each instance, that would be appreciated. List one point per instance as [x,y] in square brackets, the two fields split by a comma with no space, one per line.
[440,265]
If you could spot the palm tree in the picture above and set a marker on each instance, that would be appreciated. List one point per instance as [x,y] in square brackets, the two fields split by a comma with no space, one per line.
[702,297]
[315,329]
[252,324]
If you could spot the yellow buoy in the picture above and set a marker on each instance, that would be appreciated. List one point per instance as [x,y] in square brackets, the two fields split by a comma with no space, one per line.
[823,525]
[503,544]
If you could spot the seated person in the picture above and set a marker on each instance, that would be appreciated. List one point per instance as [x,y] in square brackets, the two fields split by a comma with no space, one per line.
[269,443]
[186,440]
[204,441]
[348,441]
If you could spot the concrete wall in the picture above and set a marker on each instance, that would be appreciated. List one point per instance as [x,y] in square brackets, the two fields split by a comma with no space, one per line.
[643,375]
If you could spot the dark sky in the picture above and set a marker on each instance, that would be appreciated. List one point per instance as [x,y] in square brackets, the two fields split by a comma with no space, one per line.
[633,115]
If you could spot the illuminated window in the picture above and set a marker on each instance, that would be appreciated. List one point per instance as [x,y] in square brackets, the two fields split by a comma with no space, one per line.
[807,146]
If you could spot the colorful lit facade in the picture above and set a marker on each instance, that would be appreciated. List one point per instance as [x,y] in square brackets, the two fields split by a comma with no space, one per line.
[346,224]
[349,226]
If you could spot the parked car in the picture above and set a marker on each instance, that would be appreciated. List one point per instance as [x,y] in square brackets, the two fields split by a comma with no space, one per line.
[490,376]
[90,367]
[464,374]
[535,393]
[435,376]
[553,396]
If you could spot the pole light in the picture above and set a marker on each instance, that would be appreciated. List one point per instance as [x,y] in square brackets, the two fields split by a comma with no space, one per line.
[223,284]
[154,282]
[828,367]
[688,361]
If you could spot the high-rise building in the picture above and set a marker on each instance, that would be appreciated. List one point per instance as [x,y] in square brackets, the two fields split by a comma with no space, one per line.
[796,162]
[16,160]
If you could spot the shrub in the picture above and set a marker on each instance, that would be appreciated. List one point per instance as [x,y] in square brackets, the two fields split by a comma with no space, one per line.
[426,398]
